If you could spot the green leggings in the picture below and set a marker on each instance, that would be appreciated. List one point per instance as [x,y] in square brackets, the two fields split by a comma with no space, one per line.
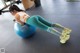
[39,22]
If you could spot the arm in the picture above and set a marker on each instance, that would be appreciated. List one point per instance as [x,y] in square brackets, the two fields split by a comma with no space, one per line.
[17,18]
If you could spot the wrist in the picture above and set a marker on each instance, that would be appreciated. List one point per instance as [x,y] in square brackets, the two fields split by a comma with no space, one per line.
[23,24]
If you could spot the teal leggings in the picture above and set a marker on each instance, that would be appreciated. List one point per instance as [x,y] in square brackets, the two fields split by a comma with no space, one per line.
[39,22]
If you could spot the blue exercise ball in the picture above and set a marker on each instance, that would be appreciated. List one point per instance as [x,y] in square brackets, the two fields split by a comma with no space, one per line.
[24,31]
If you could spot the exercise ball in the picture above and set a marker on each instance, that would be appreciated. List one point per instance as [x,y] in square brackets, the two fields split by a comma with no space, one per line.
[24,31]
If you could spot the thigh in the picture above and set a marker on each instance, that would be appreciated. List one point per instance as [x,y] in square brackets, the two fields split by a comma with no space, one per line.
[33,20]
[45,22]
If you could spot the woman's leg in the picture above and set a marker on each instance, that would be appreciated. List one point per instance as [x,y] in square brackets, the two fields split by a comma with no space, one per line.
[42,23]
[54,31]
[63,37]
[34,20]
[39,22]
[42,20]
[64,29]
[58,26]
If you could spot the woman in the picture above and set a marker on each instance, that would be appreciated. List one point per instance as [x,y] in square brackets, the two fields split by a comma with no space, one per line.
[21,17]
